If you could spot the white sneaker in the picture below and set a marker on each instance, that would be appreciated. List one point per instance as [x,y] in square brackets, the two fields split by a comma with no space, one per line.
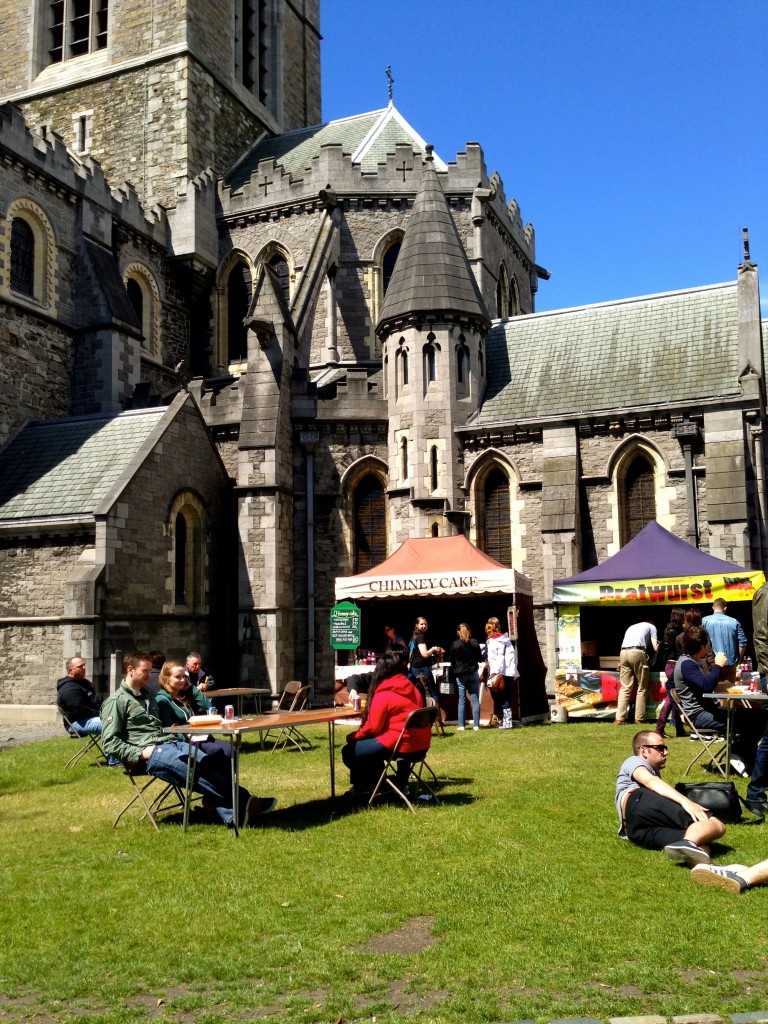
[475,728]
[722,877]
[459,728]
[739,767]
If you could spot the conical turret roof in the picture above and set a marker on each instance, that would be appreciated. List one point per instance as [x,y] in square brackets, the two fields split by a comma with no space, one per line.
[432,274]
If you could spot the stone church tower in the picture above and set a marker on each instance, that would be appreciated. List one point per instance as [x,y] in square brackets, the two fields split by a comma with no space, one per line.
[432,326]
[157,93]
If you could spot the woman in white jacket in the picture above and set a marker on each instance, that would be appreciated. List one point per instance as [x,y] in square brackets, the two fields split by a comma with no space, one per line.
[502,660]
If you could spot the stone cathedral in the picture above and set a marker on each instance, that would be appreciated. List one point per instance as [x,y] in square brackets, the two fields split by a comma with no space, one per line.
[244,351]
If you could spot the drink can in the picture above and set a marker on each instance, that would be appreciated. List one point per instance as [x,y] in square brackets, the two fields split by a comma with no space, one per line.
[229,712]
[355,703]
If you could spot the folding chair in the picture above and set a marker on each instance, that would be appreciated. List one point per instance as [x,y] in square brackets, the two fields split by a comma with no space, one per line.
[416,763]
[284,703]
[712,743]
[88,744]
[170,797]
[290,733]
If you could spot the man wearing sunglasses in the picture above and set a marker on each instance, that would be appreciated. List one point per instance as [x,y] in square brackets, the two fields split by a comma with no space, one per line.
[653,814]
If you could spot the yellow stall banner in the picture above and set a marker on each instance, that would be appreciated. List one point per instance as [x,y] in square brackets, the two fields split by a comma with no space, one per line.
[673,590]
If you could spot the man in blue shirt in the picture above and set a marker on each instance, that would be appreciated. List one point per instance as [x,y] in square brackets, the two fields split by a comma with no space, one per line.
[726,635]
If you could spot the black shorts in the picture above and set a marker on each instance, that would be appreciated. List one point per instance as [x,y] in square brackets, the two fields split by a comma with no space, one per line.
[653,821]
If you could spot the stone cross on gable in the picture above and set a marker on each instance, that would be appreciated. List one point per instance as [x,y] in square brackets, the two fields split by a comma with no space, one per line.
[265,184]
[404,167]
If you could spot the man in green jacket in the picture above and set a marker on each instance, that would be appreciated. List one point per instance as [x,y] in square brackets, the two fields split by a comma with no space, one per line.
[133,733]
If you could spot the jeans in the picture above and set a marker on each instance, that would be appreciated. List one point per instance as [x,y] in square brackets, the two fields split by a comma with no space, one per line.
[169,762]
[469,684]
[365,760]
[501,701]
[87,727]
[427,681]
[747,728]
[758,782]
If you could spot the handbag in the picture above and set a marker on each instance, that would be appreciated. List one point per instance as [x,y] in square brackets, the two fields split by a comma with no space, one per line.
[496,683]
[721,798]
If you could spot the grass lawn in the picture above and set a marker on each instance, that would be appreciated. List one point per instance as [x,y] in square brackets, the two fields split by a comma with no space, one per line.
[513,899]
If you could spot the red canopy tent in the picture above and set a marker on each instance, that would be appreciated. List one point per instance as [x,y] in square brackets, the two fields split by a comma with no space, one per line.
[452,567]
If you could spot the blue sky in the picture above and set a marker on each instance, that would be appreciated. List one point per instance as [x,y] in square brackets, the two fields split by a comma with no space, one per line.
[633,135]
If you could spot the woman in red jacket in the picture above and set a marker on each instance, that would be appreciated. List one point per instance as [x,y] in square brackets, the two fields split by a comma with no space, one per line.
[391,698]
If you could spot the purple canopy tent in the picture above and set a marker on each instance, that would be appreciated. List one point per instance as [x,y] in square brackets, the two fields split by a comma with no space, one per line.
[654,568]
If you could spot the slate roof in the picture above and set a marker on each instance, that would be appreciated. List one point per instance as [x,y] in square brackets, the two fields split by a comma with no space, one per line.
[432,273]
[651,350]
[366,138]
[68,467]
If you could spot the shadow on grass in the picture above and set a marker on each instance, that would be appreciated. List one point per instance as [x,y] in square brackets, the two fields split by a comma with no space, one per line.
[254,747]
[316,813]
[10,787]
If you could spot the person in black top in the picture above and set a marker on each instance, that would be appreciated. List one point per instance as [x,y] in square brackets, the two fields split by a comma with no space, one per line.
[77,698]
[394,641]
[668,656]
[465,656]
[423,655]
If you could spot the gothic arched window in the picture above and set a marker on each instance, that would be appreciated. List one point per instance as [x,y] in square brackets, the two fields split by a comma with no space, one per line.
[188,557]
[279,264]
[502,293]
[433,468]
[238,299]
[430,369]
[462,369]
[370,538]
[514,298]
[137,300]
[145,298]
[401,369]
[22,257]
[388,264]
[496,517]
[639,497]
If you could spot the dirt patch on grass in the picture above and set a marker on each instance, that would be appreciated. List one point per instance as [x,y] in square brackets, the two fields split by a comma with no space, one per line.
[414,937]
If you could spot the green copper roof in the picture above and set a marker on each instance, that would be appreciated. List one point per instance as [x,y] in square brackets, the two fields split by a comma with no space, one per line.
[68,467]
[653,350]
[366,138]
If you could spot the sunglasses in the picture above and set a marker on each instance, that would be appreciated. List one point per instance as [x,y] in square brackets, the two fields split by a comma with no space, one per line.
[662,747]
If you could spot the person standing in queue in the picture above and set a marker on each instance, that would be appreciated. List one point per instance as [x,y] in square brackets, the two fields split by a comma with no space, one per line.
[465,657]
[670,653]
[423,656]
[502,661]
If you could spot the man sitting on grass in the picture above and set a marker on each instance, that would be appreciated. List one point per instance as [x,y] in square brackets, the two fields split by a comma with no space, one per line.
[653,814]
[733,877]
[133,732]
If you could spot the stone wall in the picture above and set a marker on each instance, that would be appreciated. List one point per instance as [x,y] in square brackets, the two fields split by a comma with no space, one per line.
[33,660]
[36,360]
[33,585]
[300,64]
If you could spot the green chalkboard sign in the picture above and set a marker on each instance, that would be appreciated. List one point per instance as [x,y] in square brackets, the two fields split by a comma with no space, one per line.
[345,626]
